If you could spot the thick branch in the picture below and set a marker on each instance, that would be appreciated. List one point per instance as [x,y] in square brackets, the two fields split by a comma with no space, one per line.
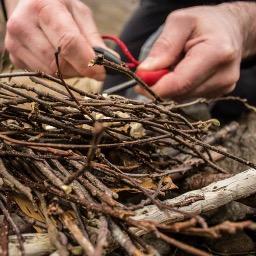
[213,196]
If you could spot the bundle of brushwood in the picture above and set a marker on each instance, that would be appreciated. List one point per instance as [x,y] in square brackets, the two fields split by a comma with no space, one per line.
[89,173]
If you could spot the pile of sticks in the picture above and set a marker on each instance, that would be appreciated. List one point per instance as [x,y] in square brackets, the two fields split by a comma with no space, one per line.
[88,163]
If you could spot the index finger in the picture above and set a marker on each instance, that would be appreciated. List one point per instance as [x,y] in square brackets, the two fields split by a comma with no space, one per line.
[199,63]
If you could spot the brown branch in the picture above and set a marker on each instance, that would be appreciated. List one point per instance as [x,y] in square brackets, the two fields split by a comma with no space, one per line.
[14,227]
[99,60]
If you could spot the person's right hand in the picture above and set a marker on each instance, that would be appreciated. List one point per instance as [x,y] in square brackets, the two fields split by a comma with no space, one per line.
[36,28]
[205,46]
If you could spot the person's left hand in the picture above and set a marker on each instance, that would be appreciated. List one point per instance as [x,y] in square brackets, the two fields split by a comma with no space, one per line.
[36,28]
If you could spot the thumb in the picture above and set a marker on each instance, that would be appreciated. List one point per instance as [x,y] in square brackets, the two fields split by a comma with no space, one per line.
[168,48]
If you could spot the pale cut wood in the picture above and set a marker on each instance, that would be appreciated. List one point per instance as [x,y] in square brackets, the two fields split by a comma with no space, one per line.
[203,200]
[36,244]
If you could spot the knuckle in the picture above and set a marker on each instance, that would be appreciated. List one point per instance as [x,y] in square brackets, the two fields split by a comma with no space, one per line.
[39,5]
[14,26]
[162,43]
[11,46]
[178,14]
[42,8]
[231,79]
[228,53]
[181,15]
[164,46]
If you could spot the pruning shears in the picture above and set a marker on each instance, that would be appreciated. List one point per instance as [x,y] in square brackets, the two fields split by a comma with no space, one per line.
[149,77]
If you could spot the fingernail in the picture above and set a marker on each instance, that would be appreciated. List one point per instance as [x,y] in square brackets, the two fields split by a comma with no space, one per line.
[149,63]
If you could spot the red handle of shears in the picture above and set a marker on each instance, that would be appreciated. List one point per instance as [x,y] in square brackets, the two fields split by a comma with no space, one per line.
[149,77]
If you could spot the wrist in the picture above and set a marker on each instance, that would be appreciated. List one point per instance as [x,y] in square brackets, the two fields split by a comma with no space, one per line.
[244,18]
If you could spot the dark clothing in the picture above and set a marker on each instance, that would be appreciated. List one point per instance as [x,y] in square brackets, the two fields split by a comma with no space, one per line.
[149,16]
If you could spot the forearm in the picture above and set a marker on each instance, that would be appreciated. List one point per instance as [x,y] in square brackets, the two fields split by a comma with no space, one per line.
[245,14]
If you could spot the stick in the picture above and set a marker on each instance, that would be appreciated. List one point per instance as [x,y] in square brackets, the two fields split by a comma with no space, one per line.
[102,237]
[4,237]
[14,227]
[6,175]
[53,233]
[123,239]
[215,195]
[76,232]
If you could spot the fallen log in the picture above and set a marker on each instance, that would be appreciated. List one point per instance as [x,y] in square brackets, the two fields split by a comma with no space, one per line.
[202,200]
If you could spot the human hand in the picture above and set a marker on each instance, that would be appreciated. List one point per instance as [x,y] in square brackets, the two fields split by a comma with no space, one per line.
[206,45]
[36,28]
